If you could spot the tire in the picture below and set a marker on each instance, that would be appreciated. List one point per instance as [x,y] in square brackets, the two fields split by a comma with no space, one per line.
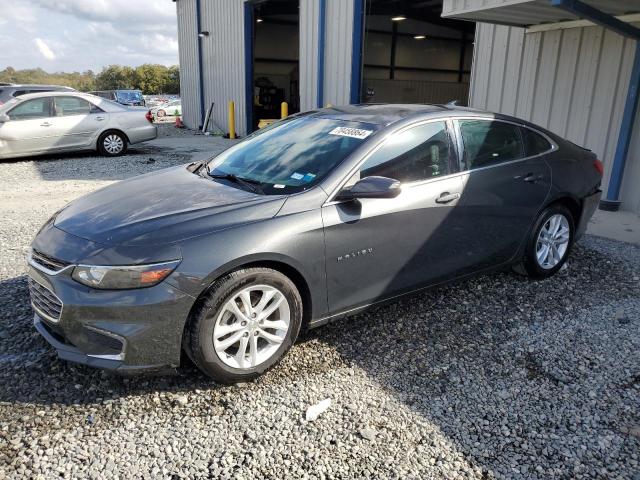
[112,143]
[160,113]
[541,259]
[217,331]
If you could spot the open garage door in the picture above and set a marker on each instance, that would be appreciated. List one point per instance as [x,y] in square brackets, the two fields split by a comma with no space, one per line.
[413,55]
[276,52]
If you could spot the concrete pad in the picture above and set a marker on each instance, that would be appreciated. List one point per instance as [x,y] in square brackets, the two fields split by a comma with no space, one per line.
[623,226]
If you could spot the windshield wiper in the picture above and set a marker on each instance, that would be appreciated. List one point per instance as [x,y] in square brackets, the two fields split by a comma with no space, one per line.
[253,185]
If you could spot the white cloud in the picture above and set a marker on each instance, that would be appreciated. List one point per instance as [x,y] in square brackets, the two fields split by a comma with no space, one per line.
[44,49]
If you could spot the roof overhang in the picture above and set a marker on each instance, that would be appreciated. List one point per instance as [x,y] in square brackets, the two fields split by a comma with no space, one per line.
[525,13]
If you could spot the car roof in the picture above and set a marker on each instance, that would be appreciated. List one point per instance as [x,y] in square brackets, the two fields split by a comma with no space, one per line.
[35,85]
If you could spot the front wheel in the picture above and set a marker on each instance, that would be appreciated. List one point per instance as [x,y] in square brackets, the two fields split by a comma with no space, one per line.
[549,243]
[244,326]
[112,144]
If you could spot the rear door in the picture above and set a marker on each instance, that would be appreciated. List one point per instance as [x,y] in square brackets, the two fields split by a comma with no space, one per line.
[376,248]
[503,189]
[29,129]
[77,122]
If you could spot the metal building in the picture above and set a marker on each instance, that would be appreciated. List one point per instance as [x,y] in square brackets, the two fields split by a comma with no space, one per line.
[569,65]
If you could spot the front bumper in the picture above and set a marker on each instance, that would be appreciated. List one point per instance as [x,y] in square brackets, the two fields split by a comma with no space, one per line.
[123,330]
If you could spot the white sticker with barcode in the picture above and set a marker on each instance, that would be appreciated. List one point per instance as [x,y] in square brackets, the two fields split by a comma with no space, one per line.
[351,132]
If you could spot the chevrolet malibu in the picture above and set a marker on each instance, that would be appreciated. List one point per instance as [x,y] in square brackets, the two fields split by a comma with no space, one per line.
[56,122]
[318,216]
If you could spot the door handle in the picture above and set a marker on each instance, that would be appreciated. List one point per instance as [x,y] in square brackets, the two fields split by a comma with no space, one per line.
[99,119]
[532,177]
[447,197]
[46,124]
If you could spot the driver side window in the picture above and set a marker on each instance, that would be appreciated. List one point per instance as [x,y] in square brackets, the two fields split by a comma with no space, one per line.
[416,154]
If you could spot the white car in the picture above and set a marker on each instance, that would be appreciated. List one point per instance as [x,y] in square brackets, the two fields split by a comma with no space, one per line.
[173,108]
[51,122]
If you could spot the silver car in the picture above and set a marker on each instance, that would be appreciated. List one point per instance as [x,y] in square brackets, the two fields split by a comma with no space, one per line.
[52,122]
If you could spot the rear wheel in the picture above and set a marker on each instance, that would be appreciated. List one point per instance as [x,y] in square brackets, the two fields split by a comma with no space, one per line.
[549,243]
[247,322]
[161,113]
[112,143]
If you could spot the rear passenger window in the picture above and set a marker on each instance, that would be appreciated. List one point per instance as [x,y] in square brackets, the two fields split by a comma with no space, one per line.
[67,106]
[419,153]
[489,143]
[534,143]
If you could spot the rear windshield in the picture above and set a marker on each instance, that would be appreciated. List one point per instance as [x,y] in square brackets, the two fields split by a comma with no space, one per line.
[292,155]
[129,96]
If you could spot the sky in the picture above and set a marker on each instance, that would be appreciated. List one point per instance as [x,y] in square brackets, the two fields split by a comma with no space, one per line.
[78,35]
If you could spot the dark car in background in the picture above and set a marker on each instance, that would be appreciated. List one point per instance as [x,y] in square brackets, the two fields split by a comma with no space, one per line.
[316,217]
[12,90]
[125,97]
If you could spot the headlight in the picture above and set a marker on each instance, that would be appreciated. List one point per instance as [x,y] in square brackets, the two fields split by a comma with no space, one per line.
[123,276]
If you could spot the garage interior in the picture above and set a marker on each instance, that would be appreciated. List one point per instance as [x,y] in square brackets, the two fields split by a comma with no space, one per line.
[276,54]
[413,55]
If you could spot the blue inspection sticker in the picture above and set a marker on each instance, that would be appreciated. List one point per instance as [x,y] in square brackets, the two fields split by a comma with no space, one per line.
[297,176]
[309,177]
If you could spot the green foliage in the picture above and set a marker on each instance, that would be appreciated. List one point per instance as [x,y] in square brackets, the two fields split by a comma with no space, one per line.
[150,78]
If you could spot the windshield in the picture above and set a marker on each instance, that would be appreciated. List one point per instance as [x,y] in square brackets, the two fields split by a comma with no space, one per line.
[129,96]
[292,155]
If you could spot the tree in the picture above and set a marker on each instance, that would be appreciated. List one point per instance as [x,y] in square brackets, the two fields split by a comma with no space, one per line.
[150,78]
[172,81]
[115,77]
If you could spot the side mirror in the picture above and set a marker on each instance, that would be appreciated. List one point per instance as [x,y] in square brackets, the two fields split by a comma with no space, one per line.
[4,118]
[372,187]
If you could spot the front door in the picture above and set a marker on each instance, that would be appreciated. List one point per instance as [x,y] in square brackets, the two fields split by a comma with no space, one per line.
[376,248]
[29,129]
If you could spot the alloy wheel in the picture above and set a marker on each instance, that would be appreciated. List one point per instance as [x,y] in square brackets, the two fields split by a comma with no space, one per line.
[251,326]
[113,144]
[553,241]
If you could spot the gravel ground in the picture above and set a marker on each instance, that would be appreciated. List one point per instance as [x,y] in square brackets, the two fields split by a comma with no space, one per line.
[496,377]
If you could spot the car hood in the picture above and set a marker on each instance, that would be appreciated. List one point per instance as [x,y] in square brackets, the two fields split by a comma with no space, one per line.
[163,207]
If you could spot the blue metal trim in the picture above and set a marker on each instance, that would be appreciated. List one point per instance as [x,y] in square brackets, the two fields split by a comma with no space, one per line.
[248,64]
[626,130]
[588,12]
[200,62]
[356,53]
[321,40]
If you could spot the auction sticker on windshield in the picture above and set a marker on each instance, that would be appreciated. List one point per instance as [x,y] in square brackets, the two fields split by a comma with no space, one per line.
[351,132]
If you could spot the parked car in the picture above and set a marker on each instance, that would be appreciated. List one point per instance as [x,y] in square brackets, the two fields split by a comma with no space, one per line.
[52,122]
[11,90]
[315,217]
[173,108]
[125,97]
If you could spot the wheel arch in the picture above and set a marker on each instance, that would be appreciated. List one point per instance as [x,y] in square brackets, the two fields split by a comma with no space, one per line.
[108,130]
[571,202]
[277,264]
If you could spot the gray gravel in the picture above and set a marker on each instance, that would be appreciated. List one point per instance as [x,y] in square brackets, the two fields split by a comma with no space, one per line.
[496,377]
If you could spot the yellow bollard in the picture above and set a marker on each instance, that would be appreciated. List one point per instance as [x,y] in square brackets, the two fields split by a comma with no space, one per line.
[284,110]
[232,119]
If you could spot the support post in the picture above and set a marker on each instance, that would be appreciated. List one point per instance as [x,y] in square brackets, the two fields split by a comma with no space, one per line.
[248,64]
[321,45]
[232,120]
[394,45]
[611,201]
[200,62]
[284,110]
[356,50]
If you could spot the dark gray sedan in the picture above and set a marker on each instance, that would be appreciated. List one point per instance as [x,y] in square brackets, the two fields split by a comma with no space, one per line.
[320,215]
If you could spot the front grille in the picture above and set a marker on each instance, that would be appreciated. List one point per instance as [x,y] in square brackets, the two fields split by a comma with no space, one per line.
[47,261]
[44,301]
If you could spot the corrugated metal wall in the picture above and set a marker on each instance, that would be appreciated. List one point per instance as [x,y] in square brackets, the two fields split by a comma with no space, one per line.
[223,60]
[309,15]
[337,70]
[573,82]
[188,54]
